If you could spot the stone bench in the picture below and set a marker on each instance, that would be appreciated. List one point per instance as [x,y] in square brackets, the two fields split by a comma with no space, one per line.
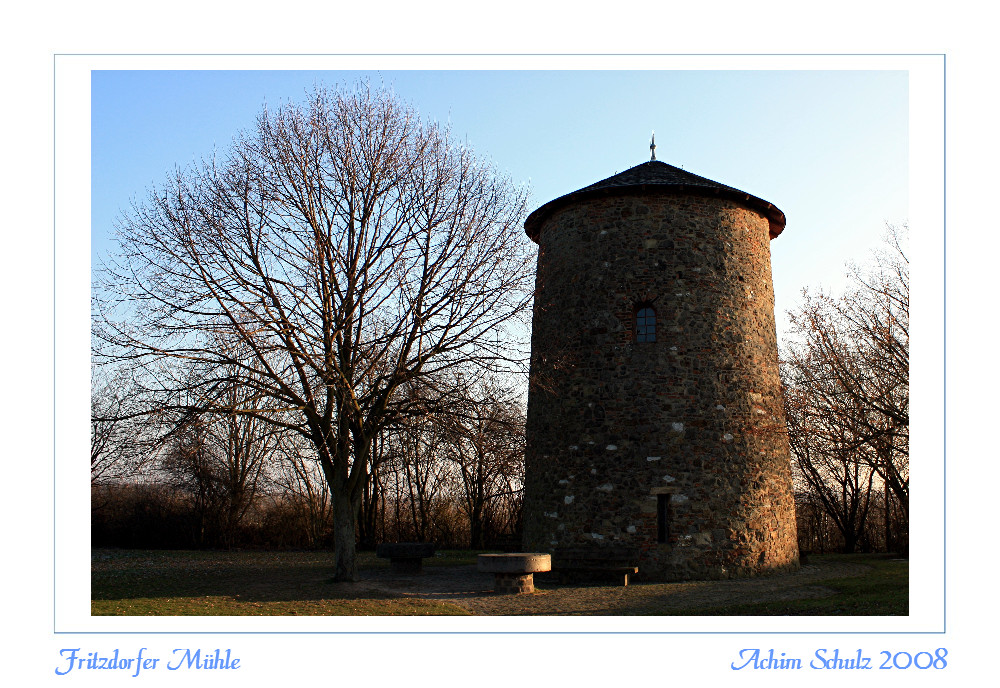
[406,557]
[514,573]
[595,564]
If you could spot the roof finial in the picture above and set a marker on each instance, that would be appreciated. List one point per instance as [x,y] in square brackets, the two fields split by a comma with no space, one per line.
[652,147]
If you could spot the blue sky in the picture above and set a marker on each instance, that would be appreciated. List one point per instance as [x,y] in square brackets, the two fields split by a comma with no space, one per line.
[827,147]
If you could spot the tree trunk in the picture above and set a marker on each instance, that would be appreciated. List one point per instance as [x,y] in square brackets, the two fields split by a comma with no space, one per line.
[476,539]
[344,519]
[888,517]
[368,522]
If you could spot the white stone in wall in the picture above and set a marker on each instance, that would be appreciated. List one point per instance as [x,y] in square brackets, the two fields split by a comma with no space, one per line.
[678,498]
[677,427]
[652,458]
[606,487]
[569,499]
[669,478]
[631,529]
[612,447]
[596,536]
[552,514]
[564,482]
[727,437]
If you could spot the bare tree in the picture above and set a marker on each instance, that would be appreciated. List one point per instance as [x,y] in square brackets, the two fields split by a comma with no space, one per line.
[848,366]
[220,459]
[830,462]
[371,521]
[486,433]
[121,438]
[302,488]
[345,250]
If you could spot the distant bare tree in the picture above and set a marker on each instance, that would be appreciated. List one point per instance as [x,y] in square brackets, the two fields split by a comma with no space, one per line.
[220,459]
[371,520]
[344,249]
[848,369]
[829,460]
[486,438]
[301,486]
[414,451]
[121,437]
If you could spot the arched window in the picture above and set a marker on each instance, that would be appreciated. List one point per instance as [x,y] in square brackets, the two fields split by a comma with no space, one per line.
[645,324]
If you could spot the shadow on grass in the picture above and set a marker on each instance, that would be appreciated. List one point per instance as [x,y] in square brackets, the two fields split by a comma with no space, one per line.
[251,576]
[296,583]
[182,583]
[882,589]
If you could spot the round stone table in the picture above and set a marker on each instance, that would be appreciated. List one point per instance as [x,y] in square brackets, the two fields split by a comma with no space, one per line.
[514,573]
[407,557]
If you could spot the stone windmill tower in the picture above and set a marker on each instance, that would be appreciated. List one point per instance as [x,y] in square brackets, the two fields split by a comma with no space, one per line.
[655,417]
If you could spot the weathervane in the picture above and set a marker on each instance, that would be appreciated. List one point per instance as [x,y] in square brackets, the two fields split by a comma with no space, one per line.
[652,147]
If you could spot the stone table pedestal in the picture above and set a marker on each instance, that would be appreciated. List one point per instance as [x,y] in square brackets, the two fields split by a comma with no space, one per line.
[514,573]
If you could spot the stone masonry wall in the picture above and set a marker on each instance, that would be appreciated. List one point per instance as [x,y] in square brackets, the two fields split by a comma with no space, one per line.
[696,415]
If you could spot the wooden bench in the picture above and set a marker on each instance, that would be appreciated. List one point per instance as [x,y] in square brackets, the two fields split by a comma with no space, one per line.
[595,564]
[407,557]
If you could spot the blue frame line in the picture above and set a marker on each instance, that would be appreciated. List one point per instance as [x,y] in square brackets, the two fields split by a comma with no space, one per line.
[943,630]
[54,325]
[824,633]
[944,333]
[497,55]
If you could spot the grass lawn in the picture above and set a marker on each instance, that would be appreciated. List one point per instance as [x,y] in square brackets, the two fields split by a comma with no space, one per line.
[185,583]
[170,583]
[884,591]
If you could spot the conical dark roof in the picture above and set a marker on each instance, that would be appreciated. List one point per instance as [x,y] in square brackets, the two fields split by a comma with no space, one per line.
[654,177]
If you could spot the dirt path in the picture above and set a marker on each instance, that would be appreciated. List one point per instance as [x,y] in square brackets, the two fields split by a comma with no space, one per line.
[468,588]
